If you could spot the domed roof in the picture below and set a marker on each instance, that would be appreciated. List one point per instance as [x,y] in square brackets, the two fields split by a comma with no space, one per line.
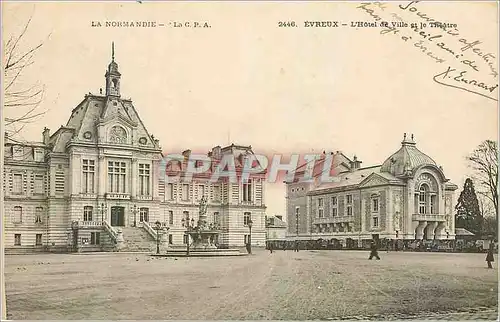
[406,159]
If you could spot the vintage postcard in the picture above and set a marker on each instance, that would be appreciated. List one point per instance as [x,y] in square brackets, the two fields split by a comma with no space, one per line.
[225,160]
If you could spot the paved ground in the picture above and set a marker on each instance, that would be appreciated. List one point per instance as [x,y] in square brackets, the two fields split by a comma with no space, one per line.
[282,285]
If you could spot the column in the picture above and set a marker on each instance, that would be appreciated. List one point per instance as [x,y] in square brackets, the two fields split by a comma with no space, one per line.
[102,175]
[155,179]
[133,178]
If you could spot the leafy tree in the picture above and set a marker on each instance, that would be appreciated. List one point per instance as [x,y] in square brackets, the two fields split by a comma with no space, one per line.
[484,162]
[468,214]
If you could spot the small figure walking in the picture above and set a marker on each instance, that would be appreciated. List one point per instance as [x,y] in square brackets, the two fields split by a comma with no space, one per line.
[296,246]
[271,247]
[374,251]
[489,256]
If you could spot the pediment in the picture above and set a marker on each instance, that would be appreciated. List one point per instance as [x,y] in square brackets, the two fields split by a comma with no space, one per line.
[374,180]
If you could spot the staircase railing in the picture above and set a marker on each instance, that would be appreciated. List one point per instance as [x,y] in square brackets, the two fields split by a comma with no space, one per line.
[150,230]
[111,231]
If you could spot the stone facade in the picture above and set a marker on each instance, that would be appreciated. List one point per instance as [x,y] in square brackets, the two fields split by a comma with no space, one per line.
[99,172]
[407,197]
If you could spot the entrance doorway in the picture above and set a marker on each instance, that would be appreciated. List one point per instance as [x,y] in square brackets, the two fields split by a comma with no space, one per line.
[118,216]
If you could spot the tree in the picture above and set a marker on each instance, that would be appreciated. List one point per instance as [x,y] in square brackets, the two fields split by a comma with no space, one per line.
[21,99]
[484,162]
[468,214]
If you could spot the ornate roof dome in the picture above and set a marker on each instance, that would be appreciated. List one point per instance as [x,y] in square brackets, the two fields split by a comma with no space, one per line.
[406,159]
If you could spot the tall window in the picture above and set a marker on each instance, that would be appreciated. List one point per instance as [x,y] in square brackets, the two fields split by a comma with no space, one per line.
[116,176]
[185,239]
[321,213]
[422,199]
[18,214]
[375,221]
[185,192]
[170,239]
[170,217]
[349,205]
[38,215]
[144,215]
[375,204]
[185,215]
[246,218]
[38,240]
[88,176]
[216,193]
[201,191]
[216,218]
[170,191]
[87,213]
[17,239]
[433,204]
[17,183]
[38,184]
[144,177]
[247,191]
[334,206]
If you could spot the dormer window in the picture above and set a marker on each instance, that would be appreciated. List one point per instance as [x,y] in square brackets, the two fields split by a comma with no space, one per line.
[17,152]
[38,155]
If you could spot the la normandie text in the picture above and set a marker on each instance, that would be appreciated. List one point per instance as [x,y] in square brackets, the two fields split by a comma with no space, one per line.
[126,24]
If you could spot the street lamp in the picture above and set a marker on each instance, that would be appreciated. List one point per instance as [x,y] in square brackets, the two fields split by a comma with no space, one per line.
[189,225]
[134,211]
[250,222]
[102,210]
[158,228]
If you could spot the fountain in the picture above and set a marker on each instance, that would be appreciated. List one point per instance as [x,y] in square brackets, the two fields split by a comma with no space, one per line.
[204,238]
[203,235]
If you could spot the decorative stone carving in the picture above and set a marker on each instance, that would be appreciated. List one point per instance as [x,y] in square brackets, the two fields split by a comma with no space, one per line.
[447,206]
[117,135]
[375,180]
[397,220]
[428,179]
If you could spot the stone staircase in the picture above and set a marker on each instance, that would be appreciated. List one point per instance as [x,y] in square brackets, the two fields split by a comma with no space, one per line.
[137,240]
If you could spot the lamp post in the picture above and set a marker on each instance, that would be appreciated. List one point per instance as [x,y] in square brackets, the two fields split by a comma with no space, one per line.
[134,211]
[250,236]
[102,210]
[188,225]
[158,228]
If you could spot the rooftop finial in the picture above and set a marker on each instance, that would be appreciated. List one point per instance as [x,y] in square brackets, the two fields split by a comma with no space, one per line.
[404,136]
[412,137]
[113,51]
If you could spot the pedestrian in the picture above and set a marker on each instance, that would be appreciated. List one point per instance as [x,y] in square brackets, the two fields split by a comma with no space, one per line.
[284,246]
[271,247]
[297,246]
[489,256]
[374,251]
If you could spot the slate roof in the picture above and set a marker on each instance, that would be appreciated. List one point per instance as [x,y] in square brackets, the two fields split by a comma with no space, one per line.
[407,158]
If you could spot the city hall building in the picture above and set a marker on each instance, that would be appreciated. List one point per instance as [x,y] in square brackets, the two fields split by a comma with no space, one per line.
[98,176]
[407,197]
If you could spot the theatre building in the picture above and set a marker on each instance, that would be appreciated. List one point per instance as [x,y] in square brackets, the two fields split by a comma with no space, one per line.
[97,178]
[407,197]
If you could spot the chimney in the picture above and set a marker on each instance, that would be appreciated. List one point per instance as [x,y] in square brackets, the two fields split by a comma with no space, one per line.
[216,152]
[45,136]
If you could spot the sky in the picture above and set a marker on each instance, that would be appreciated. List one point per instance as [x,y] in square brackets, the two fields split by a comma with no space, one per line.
[247,81]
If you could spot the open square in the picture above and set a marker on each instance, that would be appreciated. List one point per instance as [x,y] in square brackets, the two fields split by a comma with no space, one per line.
[282,285]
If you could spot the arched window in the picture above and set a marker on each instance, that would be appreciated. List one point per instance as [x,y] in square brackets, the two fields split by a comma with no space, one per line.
[422,198]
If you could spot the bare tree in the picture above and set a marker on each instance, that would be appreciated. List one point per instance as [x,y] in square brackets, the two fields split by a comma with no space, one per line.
[484,161]
[22,99]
